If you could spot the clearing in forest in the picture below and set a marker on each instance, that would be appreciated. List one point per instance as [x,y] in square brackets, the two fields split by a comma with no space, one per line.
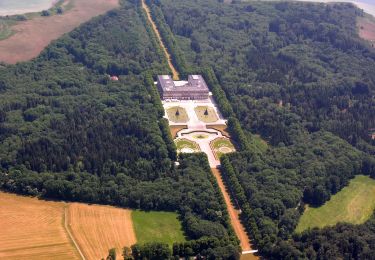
[353,204]
[29,38]
[98,228]
[206,114]
[366,28]
[157,226]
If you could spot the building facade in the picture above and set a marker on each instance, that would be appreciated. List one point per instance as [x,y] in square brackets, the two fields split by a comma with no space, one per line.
[195,88]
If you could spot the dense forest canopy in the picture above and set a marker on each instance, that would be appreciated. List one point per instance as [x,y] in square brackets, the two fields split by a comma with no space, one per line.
[69,132]
[298,75]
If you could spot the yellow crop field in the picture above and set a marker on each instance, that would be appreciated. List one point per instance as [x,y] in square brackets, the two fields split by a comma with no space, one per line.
[33,229]
[39,229]
[98,228]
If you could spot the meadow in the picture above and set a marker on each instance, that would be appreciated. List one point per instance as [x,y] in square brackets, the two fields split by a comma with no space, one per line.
[353,204]
[158,226]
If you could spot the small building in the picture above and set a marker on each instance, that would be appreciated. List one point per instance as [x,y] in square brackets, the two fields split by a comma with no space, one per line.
[195,88]
[113,78]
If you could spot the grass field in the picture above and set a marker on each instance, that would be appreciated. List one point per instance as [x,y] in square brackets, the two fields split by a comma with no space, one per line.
[186,146]
[222,146]
[180,117]
[206,114]
[35,229]
[33,35]
[5,28]
[354,204]
[157,226]
[98,228]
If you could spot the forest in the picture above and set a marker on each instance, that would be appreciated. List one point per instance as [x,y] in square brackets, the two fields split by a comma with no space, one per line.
[69,132]
[298,75]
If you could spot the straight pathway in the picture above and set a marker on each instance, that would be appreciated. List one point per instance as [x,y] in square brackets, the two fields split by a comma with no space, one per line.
[233,213]
[175,73]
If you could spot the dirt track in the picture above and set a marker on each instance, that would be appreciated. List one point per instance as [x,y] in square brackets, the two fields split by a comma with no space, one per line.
[34,35]
[233,213]
[175,74]
[32,229]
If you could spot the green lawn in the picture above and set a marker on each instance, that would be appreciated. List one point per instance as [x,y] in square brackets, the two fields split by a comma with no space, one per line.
[177,115]
[206,114]
[5,28]
[186,145]
[222,146]
[157,226]
[354,204]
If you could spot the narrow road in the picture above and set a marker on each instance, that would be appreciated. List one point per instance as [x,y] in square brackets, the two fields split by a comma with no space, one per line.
[233,213]
[175,73]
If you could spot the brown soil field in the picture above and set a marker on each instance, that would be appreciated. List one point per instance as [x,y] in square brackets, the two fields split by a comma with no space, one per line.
[37,229]
[98,228]
[233,214]
[33,229]
[366,27]
[32,36]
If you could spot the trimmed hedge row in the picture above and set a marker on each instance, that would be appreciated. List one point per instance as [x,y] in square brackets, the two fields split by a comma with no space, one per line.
[151,33]
[178,59]
[167,136]
[236,190]
[154,93]
[219,94]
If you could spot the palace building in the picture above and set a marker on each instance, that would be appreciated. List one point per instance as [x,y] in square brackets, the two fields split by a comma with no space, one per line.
[195,88]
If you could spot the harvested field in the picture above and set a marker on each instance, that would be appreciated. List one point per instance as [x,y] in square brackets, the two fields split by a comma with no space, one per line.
[98,228]
[36,229]
[32,36]
[33,229]
[366,29]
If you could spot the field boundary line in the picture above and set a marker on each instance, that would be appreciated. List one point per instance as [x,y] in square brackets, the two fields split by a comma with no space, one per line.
[70,234]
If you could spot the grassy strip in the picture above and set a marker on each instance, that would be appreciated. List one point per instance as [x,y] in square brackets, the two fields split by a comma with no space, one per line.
[157,226]
[353,204]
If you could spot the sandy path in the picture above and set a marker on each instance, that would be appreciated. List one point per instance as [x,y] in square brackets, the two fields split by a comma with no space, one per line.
[233,213]
[175,74]
[34,35]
